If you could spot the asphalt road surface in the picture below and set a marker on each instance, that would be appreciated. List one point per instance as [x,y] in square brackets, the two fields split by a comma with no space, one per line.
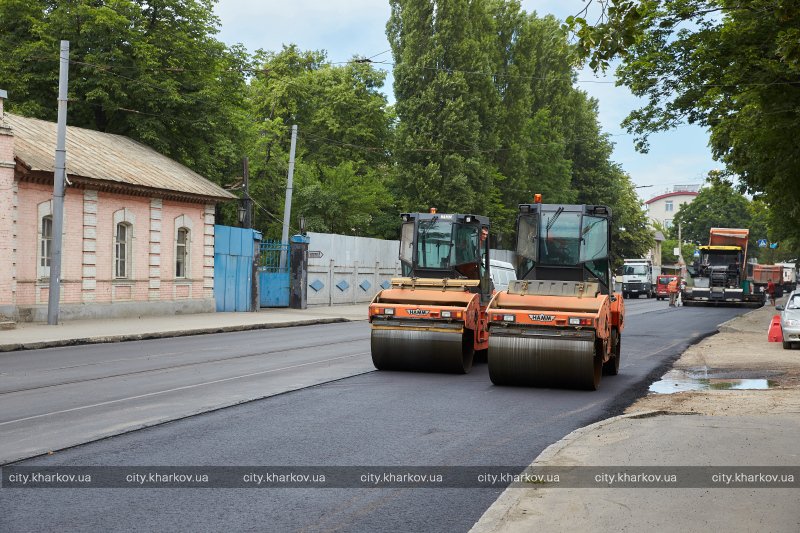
[377,418]
[59,397]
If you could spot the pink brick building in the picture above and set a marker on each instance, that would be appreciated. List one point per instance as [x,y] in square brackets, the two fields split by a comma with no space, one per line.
[138,227]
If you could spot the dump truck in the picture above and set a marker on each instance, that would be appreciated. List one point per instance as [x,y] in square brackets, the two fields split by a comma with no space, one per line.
[759,277]
[433,318]
[639,277]
[788,276]
[718,276]
[560,323]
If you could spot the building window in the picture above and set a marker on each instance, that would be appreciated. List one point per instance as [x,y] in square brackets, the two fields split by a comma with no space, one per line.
[122,250]
[182,253]
[667,223]
[668,206]
[45,245]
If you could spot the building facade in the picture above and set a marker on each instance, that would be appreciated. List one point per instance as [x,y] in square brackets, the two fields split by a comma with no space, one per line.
[138,235]
[662,208]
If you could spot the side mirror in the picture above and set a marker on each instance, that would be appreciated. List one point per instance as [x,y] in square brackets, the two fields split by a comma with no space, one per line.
[779,308]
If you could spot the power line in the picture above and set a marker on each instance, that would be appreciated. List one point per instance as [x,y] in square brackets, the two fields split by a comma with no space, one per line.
[274,217]
[369,60]
[569,78]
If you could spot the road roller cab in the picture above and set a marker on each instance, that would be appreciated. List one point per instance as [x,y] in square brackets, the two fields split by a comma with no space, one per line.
[434,317]
[559,324]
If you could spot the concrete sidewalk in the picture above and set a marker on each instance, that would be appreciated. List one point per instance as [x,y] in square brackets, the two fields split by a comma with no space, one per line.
[31,336]
[710,424]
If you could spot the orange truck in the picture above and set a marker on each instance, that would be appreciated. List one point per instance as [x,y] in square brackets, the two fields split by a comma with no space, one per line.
[434,317]
[560,323]
[761,275]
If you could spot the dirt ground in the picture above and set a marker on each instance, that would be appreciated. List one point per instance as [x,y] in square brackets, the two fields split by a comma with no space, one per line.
[739,350]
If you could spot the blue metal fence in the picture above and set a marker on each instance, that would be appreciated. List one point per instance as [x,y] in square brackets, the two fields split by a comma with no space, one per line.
[273,277]
[234,250]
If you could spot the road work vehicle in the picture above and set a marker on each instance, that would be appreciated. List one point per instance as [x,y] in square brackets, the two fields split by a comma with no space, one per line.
[639,277]
[788,277]
[560,323]
[759,277]
[434,317]
[719,275]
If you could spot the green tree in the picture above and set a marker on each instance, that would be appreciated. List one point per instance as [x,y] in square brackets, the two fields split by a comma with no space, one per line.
[637,237]
[446,105]
[488,115]
[336,200]
[533,65]
[151,70]
[716,206]
[668,245]
[727,65]
[342,172]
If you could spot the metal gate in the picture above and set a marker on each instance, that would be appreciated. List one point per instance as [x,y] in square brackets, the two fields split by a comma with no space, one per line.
[273,279]
[234,249]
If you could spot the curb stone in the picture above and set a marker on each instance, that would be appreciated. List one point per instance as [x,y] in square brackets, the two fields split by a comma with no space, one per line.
[164,334]
[508,500]
[727,327]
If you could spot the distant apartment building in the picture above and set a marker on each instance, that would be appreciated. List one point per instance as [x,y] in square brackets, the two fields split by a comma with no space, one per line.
[663,207]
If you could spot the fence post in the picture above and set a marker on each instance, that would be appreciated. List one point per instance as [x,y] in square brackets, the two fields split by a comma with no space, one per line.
[255,304]
[377,279]
[298,285]
[330,282]
[355,282]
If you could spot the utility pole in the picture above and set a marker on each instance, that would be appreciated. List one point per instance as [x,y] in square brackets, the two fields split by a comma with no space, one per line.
[681,261]
[287,206]
[59,178]
[248,202]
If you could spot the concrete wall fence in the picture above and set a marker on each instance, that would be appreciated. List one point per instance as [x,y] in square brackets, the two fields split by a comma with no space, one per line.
[354,269]
[351,270]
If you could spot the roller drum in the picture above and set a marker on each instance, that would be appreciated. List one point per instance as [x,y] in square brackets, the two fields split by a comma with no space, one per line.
[423,351]
[543,362]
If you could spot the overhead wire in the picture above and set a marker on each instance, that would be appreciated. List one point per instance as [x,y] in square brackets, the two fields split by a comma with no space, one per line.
[273,216]
[369,60]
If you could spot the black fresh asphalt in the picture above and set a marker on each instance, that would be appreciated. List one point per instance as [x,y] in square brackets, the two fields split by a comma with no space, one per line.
[379,418]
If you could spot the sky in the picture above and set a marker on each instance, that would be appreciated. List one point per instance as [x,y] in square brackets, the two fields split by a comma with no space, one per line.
[347,28]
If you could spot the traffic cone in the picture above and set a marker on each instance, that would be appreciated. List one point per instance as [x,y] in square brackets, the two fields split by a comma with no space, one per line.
[775,332]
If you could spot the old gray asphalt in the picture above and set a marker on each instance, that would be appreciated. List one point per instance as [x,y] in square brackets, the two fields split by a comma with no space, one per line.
[58,397]
[372,419]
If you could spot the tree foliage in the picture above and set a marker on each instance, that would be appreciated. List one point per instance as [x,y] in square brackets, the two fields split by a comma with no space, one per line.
[488,115]
[151,70]
[486,111]
[730,66]
[446,105]
[720,205]
[342,173]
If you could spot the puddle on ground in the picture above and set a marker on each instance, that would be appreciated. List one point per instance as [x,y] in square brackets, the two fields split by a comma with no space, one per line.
[709,379]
